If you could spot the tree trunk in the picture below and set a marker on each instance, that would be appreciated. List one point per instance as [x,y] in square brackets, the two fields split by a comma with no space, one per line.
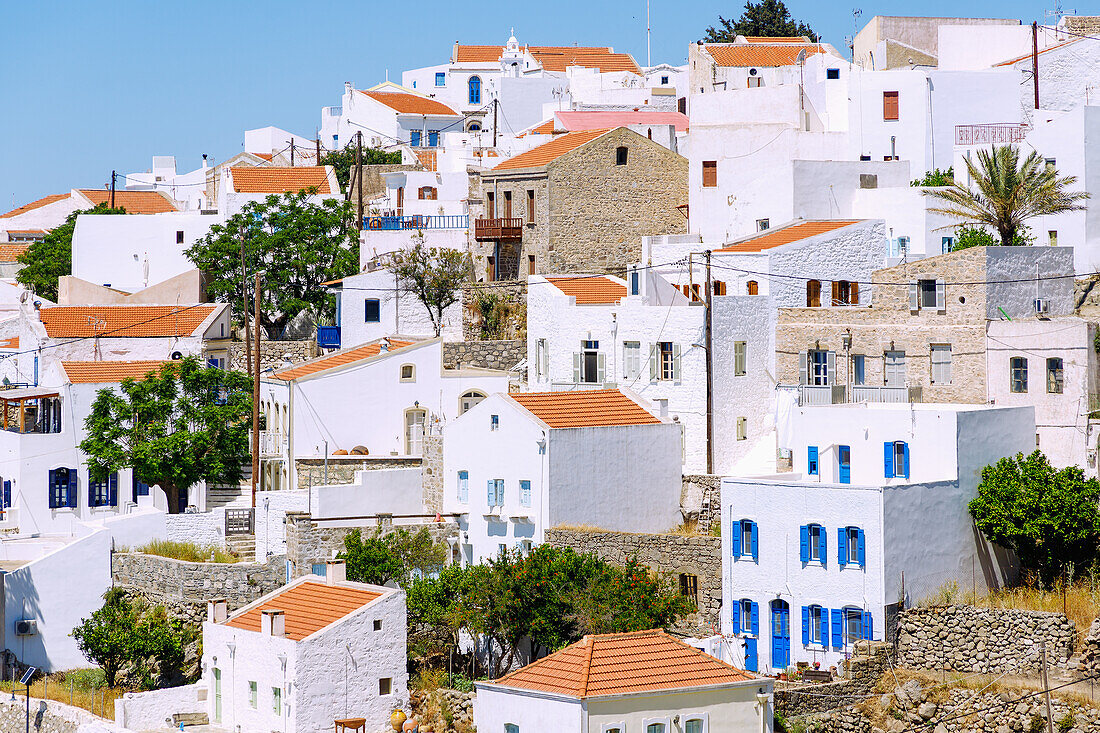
[171,496]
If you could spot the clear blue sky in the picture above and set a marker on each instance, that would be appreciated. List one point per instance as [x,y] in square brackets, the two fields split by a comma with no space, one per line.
[88,87]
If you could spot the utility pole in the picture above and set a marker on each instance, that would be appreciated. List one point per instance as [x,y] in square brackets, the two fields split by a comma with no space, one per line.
[648,58]
[710,379]
[1035,60]
[318,141]
[1046,686]
[496,102]
[359,177]
[113,176]
[256,398]
[291,152]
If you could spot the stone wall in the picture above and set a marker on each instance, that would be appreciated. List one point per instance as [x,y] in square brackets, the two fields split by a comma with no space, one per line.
[432,709]
[1089,662]
[431,473]
[341,469]
[273,353]
[185,587]
[49,716]
[667,554]
[308,544]
[992,640]
[514,294]
[502,355]
[862,673]
[701,500]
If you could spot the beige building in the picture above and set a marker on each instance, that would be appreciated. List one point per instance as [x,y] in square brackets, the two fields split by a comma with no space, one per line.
[579,203]
[900,42]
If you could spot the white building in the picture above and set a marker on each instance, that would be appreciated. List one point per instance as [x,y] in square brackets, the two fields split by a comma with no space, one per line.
[316,408]
[614,683]
[517,465]
[238,185]
[874,510]
[389,115]
[311,652]
[31,221]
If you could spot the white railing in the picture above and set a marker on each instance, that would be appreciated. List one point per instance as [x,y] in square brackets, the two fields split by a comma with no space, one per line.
[889,395]
[813,394]
[271,443]
[838,394]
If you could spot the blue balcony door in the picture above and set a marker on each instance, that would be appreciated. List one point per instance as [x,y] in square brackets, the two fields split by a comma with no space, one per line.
[751,657]
[844,457]
[781,636]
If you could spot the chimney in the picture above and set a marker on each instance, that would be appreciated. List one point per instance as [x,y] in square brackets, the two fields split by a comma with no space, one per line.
[348,87]
[384,346]
[335,572]
[217,610]
[272,622]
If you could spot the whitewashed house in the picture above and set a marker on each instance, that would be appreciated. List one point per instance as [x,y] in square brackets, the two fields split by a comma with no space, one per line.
[238,185]
[31,221]
[517,465]
[642,681]
[389,114]
[311,652]
[873,511]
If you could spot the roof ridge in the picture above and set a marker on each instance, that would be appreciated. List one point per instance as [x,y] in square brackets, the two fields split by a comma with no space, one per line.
[587,668]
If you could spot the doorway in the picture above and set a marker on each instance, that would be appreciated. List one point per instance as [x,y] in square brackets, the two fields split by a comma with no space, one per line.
[781,635]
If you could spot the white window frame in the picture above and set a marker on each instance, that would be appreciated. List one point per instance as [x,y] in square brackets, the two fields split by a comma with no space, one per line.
[666,367]
[704,718]
[463,488]
[744,613]
[542,360]
[818,371]
[848,613]
[859,369]
[815,543]
[815,624]
[412,373]
[608,727]
[666,722]
[740,358]
[851,536]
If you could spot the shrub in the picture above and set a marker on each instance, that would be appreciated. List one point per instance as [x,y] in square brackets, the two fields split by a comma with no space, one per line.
[936,178]
[188,551]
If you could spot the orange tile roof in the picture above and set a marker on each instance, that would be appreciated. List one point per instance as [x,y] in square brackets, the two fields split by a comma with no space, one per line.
[1018,59]
[590,290]
[410,104]
[26,231]
[103,372]
[308,607]
[135,202]
[555,58]
[37,203]
[550,151]
[123,321]
[254,179]
[428,159]
[585,408]
[760,54]
[12,343]
[11,252]
[543,128]
[265,156]
[619,664]
[787,234]
[339,358]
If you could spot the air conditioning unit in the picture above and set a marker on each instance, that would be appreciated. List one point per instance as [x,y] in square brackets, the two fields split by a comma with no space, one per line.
[26,627]
[1042,305]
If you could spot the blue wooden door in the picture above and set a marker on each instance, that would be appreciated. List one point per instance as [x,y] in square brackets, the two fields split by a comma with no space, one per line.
[781,636]
[750,654]
[844,456]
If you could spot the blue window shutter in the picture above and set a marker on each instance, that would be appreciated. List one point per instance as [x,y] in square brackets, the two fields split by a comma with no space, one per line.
[888,460]
[112,489]
[838,628]
[805,625]
[755,619]
[71,495]
[91,490]
[868,626]
[824,627]
[804,543]
[812,466]
[500,492]
[735,538]
[737,617]
[823,544]
[842,546]
[862,550]
[905,460]
[7,494]
[755,542]
[492,492]
[53,489]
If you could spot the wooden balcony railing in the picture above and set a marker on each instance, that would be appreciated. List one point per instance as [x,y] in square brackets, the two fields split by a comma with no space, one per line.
[501,230]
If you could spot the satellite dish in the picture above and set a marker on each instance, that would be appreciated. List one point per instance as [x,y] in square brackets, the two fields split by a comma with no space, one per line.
[177,355]
[801,58]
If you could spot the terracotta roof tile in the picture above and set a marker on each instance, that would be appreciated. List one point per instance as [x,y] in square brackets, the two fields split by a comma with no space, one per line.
[555,58]
[777,39]
[788,234]
[123,321]
[11,252]
[135,202]
[618,664]
[585,408]
[410,104]
[265,156]
[760,54]
[1018,59]
[103,372]
[12,343]
[308,607]
[428,159]
[550,151]
[37,203]
[543,128]
[339,358]
[257,179]
[590,290]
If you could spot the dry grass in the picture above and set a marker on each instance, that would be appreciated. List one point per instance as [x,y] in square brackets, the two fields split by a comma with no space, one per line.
[1080,602]
[188,551]
[579,528]
[95,699]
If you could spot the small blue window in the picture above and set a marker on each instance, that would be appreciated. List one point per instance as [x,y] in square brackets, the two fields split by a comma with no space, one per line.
[414,138]
[813,541]
[946,243]
[440,79]
[464,486]
[896,459]
[433,138]
[494,422]
[414,85]
[664,80]
[103,493]
[525,493]
[635,282]
[475,90]
[319,569]
[745,539]
[811,461]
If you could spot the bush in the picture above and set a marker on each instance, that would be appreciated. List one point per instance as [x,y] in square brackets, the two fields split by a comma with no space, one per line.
[188,551]
[936,178]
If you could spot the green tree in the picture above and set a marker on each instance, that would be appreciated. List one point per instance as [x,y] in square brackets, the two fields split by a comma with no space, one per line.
[434,275]
[976,236]
[369,560]
[47,260]
[342,160]
[398,556]
[628,598]
[1048,517]
[184,424]
[295,242]
[765,18]
[1007,192]
[109,636]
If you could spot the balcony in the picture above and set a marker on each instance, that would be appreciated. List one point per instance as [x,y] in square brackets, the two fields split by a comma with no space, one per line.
[271,443]
[887,395]
[416,222]
[499,230]
[328,337]
[990,134]
[837,394]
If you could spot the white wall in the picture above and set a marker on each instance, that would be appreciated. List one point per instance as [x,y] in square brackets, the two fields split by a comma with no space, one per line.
[400,312]
[153,709]
[731,708]
[385,491]
[531,711]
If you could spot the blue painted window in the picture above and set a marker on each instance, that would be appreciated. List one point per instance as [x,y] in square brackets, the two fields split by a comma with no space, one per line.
[103,493]
[475,90]
[851,547]
[525,493]
[440,79]
[372,310]
[895,459]
[813,543]
[844,464]
[433,138]
[744,539]
[815,625]
[494,422]
[319,569]
[811,460]
[414,138]
[62,482]
[635,284]
[463,486]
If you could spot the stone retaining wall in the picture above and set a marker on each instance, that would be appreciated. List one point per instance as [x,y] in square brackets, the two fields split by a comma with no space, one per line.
[273,353]
[972,639]
[431,473]
[502,355]
[431,710]
[513,293]
[185,587]
[668,554]
[795,699]
[701,500]
[49,716]
[341,469]
[1089,662]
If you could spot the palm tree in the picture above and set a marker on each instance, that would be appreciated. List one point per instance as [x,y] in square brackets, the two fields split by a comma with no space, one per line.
[1007,193]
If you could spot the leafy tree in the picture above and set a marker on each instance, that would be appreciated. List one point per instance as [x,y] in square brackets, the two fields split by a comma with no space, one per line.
[1008,192]
[398,556]
[185,424]
[628,598]
[976,236]
[765,18]
[297,244]
[433,274]
[935,177]
[369,560]
[109,637]
[1048,517]
[47,260]
[344,159]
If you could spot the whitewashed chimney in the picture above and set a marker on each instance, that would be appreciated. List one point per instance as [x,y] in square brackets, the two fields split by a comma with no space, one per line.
[272,622]
[335,572]
[217,610]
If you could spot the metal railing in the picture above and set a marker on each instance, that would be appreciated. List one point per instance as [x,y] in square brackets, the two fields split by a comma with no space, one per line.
[990,134]
[417,221]
[271,443]
[838,394]
[240,521]
[506,230]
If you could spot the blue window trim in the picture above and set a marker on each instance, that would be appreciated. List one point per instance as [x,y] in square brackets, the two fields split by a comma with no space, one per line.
[812,464]
[474,89]
[440,79]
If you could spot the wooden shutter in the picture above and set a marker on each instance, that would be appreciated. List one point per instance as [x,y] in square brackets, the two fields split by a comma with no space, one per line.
[719,287]
[578,367]
[862,549]
[507,204]
[805,626]
[710,173]
[491,205]
[500,492]
[823,545]
[752,287]
[837,299]
[112,489]
[803,367]
[824,627]
[492,498]
[838,628]
[654,362]
[905,460]
[70,496]
[804,543]
[889,105]
[53,488]
[830,367]
[736,617]
[853,293]
[755,618]
[842,546]
[941,295]
[868,626]
[753,533]
[735,539]
[914,296]
[601,367]
[530,207]
[676,362]
[7,494]
[813,293]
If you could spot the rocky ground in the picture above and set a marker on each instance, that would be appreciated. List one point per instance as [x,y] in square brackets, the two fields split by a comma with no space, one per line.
[443,711]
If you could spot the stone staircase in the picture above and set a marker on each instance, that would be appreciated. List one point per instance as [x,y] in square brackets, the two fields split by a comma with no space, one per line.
[242,545]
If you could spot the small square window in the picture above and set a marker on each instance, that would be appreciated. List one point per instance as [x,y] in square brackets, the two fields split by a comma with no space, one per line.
[927,293]
[440,79]
[385,685]
[763,225]
[832,73]
[710,174]
[408,373]
[664,80]
[620,155]
[689,587]
[372,310]
[378,624]
[179,237]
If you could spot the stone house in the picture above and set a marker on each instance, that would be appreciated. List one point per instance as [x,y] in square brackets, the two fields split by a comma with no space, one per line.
[578,203]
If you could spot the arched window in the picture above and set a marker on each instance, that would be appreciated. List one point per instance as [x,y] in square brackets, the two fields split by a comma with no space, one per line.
[469,399]
[475,90]
[408,373]
[474,127]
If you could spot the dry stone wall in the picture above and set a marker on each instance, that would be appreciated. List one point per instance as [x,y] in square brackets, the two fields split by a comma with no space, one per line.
[273,354]
[342,469]
[49,716]
[972,639]
[701,500]
[513,294]
[502,355]
[862,672]
[431,473]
